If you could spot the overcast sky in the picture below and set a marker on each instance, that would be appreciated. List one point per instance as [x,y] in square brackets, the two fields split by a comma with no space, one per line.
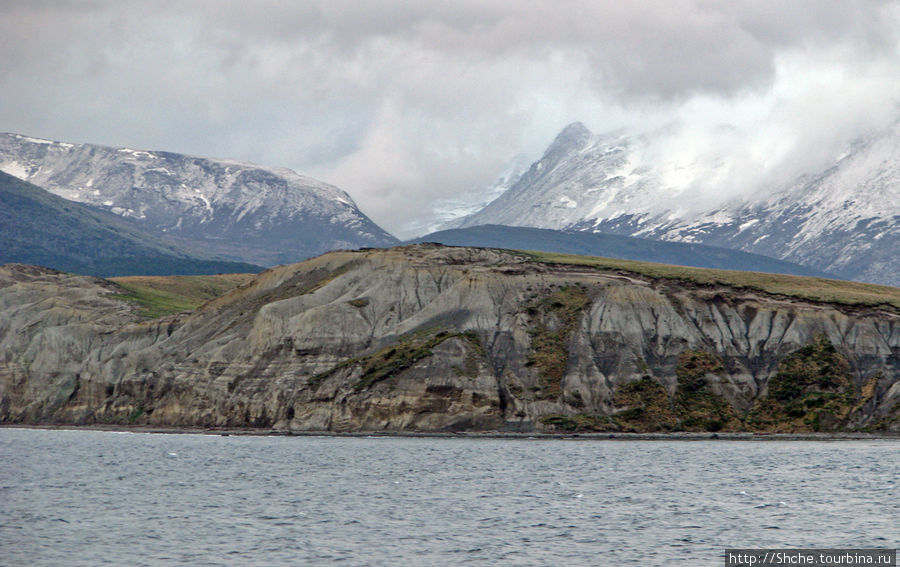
[404,103]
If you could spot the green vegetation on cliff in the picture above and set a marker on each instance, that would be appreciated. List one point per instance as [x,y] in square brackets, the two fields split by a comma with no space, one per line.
[812,391]
[157,296]
[391,360]
[697,406]
[648,407]
[555,318]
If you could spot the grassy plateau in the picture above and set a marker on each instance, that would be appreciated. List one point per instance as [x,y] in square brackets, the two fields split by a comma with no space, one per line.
[802,287]
[157,296]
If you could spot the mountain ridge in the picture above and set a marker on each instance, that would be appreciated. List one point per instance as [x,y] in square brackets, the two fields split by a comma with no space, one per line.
[232,208]
[37,227]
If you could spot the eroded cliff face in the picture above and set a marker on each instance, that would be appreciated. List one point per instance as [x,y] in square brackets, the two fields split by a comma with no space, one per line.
[432,338]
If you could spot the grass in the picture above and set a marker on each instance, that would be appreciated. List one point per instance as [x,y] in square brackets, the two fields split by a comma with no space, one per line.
[395,358]
[157,296]
[803,287]
[556,316]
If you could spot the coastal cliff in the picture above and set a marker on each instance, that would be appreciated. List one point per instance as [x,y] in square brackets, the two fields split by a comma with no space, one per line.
[433,338]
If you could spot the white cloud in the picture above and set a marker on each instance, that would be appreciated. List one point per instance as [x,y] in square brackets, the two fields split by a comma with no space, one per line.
[405,102]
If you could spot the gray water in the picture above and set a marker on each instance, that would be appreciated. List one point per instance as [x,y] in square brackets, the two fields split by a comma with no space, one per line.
[103,498]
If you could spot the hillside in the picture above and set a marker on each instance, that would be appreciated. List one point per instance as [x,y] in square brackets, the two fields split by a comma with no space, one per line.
[37,227]
[431,338]
[157,296]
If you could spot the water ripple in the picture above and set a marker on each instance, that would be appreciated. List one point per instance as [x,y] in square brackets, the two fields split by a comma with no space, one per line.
[94,498]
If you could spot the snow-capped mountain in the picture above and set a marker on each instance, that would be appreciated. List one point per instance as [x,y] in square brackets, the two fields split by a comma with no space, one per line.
[242,211]
[40,228]
[844,220]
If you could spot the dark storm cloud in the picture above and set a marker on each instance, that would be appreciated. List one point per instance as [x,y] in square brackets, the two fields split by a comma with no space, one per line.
[416,100]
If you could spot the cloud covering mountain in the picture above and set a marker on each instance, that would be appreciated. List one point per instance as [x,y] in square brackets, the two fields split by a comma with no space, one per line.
[417,102]
[843,218]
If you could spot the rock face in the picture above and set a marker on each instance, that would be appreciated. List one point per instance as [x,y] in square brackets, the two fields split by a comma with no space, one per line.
[241,211]
[430,338]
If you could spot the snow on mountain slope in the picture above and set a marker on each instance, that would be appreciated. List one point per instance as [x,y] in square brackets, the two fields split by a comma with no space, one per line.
[843,220]
[240,210]
[583,176]
[450,212]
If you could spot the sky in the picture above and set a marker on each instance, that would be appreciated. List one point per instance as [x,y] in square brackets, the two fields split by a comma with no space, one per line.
[408,104]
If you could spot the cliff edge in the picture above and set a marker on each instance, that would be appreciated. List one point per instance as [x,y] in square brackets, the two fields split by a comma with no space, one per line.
[434,338]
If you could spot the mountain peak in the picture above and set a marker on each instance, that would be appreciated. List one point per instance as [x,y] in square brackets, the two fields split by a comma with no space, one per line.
[571,138]
[574,131]
[839,218]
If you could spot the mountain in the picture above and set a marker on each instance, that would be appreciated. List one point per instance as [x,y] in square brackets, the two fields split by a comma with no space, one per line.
[37,227]
[431,338]
[614,246]
[844,220]
[237,210]
[449,212]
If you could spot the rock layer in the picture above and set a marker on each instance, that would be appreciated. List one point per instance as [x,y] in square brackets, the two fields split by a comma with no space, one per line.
[430,338]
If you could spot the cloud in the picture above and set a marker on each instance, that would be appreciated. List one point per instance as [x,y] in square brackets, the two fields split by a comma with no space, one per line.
[405,102]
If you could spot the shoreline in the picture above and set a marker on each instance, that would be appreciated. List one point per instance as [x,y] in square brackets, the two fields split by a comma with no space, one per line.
[596,436]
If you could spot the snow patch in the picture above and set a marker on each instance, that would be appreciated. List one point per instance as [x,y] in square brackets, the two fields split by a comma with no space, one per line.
[15,169]
[34,140]
[567,202]
[137,153]
[746,225]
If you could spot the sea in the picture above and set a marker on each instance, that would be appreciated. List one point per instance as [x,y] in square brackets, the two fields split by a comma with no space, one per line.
[80,497]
